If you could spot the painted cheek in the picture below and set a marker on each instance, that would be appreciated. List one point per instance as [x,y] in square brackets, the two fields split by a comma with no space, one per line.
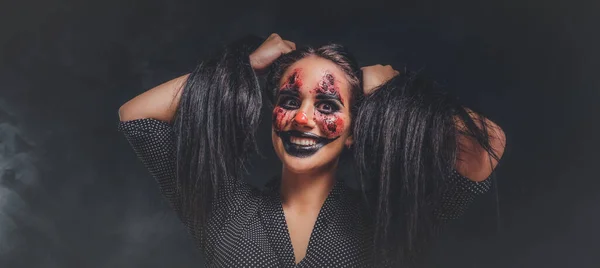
[332,125]
[282,117]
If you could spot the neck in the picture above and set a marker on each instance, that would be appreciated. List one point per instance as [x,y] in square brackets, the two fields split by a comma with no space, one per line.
[306,191]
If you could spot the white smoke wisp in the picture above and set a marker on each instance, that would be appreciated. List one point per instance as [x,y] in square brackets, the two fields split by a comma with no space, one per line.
[19,181]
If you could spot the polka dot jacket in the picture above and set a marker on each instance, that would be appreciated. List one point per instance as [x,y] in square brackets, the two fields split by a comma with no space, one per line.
[248,228]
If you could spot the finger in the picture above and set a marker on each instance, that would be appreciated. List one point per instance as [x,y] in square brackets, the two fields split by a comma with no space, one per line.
[290,44]
[285,48]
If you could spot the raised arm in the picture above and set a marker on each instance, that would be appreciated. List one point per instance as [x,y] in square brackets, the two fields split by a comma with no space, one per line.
[161,102]
[426,154]
[193,133]
[158,103]
[472,160]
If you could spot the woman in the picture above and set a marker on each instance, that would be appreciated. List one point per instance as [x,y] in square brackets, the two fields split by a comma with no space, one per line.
[420,156]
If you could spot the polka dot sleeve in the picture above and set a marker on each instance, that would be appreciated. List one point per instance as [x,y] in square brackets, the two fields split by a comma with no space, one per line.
[458,194]
[154,143]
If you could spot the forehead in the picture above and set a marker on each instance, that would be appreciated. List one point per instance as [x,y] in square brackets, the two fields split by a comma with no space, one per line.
[313,70]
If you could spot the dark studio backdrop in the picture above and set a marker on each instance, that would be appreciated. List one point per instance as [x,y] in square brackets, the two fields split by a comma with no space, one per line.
[73,194]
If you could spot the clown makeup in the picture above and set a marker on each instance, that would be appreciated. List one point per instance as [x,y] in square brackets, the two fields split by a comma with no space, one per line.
[287,100]
[298,103]
[328,109]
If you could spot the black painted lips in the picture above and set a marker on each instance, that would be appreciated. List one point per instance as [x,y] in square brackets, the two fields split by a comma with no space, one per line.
[302,151]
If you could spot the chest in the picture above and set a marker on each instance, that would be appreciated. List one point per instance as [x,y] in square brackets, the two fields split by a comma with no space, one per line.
[267,236]
[300,229]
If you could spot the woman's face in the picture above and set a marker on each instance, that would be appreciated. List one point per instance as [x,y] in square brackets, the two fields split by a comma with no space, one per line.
[311,119]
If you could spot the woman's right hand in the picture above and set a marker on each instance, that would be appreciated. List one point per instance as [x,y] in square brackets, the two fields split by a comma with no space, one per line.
[269,51]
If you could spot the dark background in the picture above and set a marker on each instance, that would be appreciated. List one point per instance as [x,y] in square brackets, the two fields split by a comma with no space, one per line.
[73,194]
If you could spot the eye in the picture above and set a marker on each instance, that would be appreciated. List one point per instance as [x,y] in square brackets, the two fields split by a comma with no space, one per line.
[289,103]
[327,107]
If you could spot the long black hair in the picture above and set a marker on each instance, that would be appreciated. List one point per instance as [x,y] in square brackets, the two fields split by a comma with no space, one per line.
[214,126]
[405,140]
[406,135]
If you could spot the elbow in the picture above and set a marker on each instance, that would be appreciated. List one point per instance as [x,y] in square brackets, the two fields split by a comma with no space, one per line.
[124,113]
[477,163]
[497,142]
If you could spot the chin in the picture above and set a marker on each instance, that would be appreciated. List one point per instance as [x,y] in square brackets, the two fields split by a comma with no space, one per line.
[302,165]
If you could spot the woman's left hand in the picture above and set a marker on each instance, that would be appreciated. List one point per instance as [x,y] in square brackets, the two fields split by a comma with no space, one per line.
[375,75]
[269,51]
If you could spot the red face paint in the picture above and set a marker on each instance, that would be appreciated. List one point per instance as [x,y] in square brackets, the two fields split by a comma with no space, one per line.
[332,125]
[282,117]
[327,86]
[301,118]
[294,81]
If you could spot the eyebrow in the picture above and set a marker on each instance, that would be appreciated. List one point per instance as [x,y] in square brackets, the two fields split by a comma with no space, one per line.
[290,91]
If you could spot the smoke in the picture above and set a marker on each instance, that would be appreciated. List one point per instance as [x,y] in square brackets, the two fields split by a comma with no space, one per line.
[20,224]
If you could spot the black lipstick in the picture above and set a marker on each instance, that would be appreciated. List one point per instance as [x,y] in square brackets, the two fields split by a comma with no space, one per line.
[302,151]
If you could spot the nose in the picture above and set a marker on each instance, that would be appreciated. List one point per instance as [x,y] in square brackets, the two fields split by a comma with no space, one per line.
[301,118]
[304,118]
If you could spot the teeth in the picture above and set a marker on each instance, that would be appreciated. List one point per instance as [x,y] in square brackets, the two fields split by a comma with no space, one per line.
[302,141]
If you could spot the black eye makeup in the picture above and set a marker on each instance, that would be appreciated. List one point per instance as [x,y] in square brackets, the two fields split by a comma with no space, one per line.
[288,102]
[327,107]
[324,106]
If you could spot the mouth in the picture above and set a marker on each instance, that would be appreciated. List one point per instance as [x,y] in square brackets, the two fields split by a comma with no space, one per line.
[302,144]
